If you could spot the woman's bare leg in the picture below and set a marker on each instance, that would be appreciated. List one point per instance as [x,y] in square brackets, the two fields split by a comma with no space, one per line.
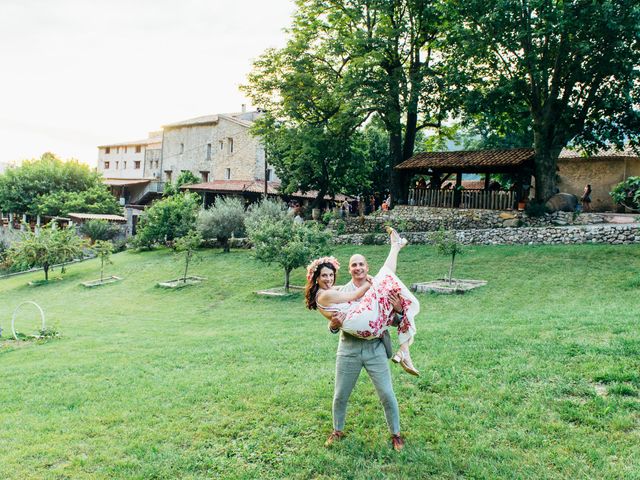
[396,245]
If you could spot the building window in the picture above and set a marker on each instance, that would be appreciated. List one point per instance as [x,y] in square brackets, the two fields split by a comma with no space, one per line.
[138,149]
[204,176]
[230,141]
[182,148]
[269,174]
[107,150]
[106,165]
[117,165]
[124,164]
[167,174]
[117,149]
[136,164]
[227,174]
[208,151]
[157,163]
[221,144]
[125,149]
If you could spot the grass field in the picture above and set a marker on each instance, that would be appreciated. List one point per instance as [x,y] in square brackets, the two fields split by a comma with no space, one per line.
[536,375]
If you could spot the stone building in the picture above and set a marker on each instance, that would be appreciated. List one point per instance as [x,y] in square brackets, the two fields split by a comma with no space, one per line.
[214,148]
[602,171]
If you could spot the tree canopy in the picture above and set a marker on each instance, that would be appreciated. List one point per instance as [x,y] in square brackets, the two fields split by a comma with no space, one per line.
[347,60]
[568,71]
[26,188]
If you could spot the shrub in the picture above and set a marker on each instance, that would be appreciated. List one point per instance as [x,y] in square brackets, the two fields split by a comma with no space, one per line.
[188,244]
[222,220]
[369,239]
[99,230]
[103,250]
[627,193]
[272,210]
[327,217]
[167,219]
[341,226]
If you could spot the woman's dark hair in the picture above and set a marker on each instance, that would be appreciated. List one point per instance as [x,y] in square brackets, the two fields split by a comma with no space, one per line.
[311,289]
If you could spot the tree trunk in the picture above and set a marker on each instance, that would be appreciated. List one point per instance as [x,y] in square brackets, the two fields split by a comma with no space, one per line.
[286,280]
[186,266]
[453,259]
[397,177]
[546,161]
[46,272]
[101,269]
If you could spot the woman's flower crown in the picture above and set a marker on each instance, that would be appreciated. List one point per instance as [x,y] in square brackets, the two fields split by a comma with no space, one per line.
[313,266]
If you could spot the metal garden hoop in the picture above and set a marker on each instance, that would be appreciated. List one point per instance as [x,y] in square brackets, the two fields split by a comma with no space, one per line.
[13,318]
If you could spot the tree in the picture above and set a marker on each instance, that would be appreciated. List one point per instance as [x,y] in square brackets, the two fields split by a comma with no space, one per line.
[24,188]
[46,248]
[222,220]
[167,219]
[447,243]
[99,230]
[185,178]
[103,249]
[188,244]
[566,70]
[96,199]
[315,157]
[347,60]
[277,239]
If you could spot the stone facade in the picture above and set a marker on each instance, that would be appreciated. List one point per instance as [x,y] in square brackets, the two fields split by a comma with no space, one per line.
[215,147]
[131,160]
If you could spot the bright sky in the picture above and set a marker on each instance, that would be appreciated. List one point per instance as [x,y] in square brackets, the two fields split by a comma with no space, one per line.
[80,73]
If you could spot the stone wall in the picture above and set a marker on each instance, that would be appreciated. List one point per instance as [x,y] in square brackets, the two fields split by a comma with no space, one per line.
[426,219]
[605,233]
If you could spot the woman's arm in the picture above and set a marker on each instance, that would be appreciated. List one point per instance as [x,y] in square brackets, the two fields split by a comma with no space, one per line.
[331,297]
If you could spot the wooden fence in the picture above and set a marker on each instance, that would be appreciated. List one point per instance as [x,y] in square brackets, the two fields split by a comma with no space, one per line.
[468,198]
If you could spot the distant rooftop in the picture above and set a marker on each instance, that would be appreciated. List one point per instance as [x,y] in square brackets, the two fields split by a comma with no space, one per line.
[154,137]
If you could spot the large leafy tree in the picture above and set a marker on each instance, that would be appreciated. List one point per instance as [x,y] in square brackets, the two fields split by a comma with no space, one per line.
[25,188]
[222,220]
[569,71]
[347,60]
[96,199]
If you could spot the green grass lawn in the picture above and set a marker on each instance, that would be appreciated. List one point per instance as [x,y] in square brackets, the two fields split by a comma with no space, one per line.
[536,375]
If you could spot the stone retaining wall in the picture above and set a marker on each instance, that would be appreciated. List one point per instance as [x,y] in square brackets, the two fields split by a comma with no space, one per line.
[426,219]
[609,234]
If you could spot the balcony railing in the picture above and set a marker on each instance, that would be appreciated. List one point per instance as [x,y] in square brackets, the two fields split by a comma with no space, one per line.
[468,198]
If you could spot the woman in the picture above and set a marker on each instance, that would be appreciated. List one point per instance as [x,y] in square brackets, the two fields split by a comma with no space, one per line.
[586,198]
[368,309]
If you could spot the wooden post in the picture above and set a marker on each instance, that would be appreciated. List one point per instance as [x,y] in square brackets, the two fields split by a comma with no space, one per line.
[457,196]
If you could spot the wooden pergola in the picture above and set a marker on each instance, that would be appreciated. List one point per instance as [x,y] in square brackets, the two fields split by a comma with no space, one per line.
[441,166]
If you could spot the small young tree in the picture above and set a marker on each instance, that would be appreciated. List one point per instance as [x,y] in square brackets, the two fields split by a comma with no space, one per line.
[188,244]
[46,248]
[288,244]
[167,219]
[221,220]
[103,249]
[99,230]
[447,243]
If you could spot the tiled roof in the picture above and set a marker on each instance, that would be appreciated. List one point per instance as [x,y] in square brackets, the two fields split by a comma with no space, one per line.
[96,216]
[607,153]
[133,143]
[243,118]
[476,159]
[121,182]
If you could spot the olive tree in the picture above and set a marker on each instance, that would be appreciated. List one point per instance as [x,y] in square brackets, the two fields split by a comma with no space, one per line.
[222,220]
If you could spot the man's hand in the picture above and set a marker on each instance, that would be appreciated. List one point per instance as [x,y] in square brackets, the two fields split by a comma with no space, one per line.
[396,301]
[336,320]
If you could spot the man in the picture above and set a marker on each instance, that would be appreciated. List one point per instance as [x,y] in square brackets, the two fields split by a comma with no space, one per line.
[355,353]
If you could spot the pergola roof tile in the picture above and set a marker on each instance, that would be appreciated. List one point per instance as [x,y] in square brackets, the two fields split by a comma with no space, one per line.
[476,160]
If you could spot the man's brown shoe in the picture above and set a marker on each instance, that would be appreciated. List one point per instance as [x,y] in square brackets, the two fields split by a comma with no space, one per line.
[398,442]
[335,436]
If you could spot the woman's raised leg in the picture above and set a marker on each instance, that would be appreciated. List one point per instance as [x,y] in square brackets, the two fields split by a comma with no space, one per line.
[397,243]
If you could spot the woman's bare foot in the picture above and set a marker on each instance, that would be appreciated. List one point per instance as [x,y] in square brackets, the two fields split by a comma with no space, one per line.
[395,237]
